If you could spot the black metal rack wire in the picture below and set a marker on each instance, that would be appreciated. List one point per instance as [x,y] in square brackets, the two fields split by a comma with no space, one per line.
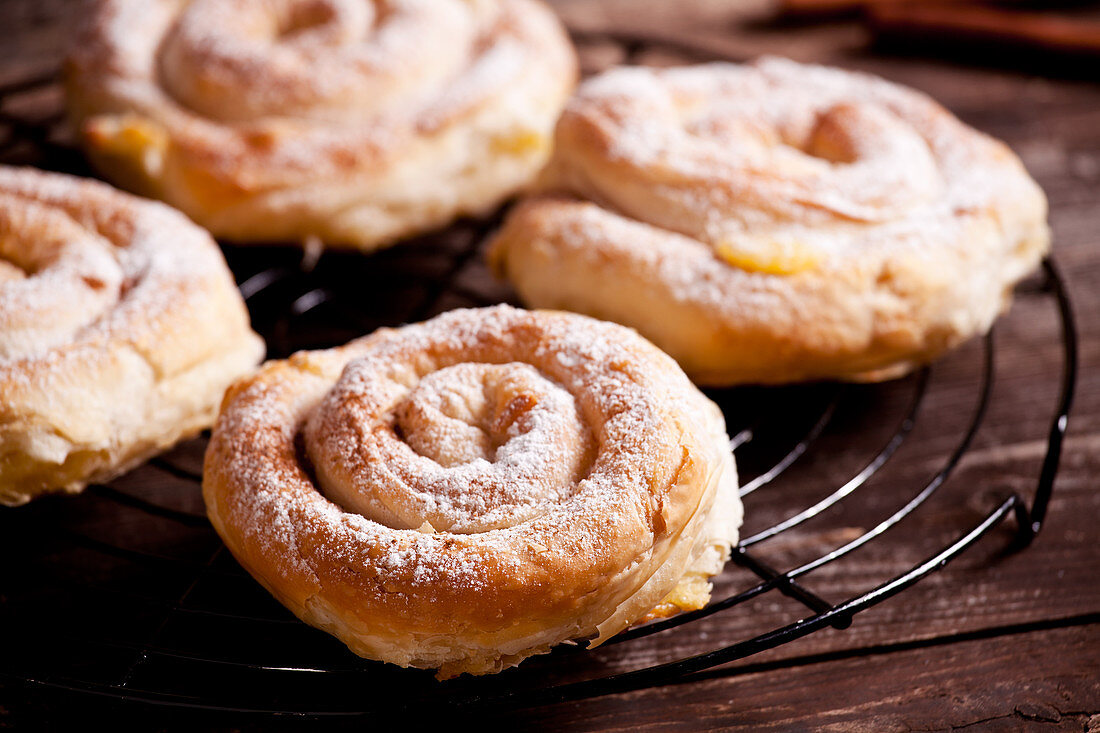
[126,593]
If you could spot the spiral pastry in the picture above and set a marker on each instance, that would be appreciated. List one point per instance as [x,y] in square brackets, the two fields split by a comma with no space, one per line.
[775,222]
[120,328]
[349,121]
[463,493]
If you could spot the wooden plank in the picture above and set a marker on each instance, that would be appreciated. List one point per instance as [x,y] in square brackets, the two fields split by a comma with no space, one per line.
[870,678]
[1005,684]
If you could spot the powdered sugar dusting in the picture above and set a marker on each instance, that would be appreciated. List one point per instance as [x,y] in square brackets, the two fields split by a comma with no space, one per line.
[270,95]
[98,265]
[327,60]
[120,328]
[479,442]
[777,163]
[524,390]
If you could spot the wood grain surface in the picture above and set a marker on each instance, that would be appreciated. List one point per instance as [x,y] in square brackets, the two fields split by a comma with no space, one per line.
[996,641]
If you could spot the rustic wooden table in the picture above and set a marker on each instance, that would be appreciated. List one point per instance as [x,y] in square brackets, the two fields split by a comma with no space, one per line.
[996,641]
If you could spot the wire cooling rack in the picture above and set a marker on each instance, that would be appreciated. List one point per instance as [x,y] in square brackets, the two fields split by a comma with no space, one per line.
[125,592]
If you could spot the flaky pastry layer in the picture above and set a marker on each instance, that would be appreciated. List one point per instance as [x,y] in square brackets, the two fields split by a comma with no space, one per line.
[464,493]
[120,329]
[348,122]
[775,222]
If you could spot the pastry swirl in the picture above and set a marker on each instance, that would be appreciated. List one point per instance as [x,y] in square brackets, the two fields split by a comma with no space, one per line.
[464,493]
[783,221]
[350,121]
[120,328]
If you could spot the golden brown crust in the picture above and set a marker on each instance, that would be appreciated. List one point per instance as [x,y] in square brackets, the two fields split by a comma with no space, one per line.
[494,482]
[352,122]
[120,327]
[775,222]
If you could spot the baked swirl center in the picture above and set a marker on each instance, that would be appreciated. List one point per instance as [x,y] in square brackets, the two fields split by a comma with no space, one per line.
[469,448]
[312,59]
[765,164]
[56,277]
